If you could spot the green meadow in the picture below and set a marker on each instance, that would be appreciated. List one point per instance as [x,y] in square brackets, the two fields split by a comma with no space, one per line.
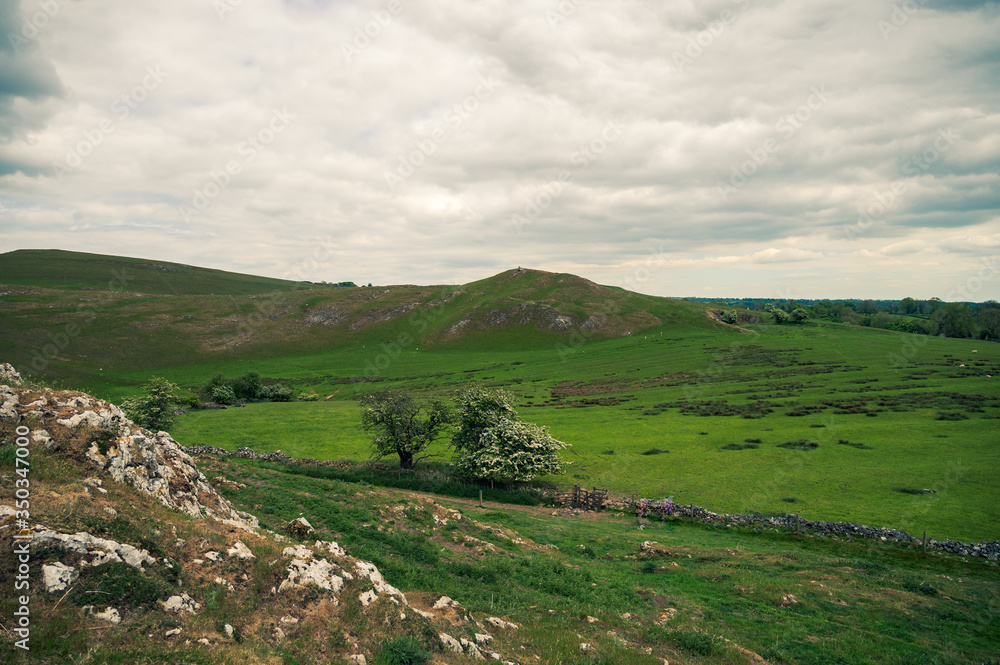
[655,397]
[879,431]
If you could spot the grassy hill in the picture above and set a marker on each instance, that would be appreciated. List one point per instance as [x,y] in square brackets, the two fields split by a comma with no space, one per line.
[616,374]
[78,332]
[60,269]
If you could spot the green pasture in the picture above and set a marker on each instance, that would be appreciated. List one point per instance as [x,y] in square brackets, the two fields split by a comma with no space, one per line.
[901,445]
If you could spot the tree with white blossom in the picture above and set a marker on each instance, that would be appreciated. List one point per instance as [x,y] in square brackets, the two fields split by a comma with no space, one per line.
[492,442]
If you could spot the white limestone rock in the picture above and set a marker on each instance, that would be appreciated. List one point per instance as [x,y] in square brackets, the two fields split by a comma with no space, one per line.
[58,576]
[366,569]
[450,643]
[8,375]
[240,551]
[111,615]
[100,550]
[181,603]
[305,569]
[500,623]
[9,402]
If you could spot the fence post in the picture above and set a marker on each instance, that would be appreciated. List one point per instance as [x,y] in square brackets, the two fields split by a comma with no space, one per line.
[480,498]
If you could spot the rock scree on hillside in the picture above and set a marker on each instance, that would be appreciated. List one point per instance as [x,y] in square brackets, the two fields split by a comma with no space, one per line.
[156,465]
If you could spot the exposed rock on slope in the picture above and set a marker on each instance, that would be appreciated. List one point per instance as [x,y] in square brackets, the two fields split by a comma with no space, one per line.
[156,587]
[152,463]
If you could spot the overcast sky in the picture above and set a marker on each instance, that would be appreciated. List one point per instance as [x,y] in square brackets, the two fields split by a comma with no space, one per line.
[845,148]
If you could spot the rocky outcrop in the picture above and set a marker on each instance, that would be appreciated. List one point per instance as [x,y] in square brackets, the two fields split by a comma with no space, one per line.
[95,551]
[152,462]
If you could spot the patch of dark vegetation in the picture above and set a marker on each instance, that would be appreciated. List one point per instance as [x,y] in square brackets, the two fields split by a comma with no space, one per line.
[419,481]
[799,444]
[404,650]
[789,499]
[817,425]
[754,354]
[654,451]
[119,585]
[739,446]
[597,401]
[854,444]
[608,452]
[913,490]
[807,410]
[914,586]
[951,415]
[720,408]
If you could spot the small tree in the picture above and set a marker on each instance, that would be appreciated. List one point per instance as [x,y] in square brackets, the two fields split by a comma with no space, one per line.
[799,315]
[492,442]
[155,408]
[780,316]
[401,426]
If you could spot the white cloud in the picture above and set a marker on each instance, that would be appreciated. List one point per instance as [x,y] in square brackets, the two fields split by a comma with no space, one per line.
[743,97]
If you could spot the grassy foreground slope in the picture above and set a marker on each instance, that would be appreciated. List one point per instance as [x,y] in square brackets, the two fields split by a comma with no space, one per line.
[688,594]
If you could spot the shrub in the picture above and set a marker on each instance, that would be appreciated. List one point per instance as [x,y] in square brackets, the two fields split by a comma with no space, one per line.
[405,650]
[155,409]
[119,585]
[696,643]
[223,395]
[654,451]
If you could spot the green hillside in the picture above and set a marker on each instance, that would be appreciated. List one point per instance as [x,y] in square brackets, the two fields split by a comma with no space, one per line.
[77,333]
[60,269]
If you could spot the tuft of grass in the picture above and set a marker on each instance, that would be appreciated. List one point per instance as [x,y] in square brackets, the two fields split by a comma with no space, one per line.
[403,650]
[654,451]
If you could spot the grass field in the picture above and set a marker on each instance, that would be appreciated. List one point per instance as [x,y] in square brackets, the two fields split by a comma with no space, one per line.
[824,419]
[887,417]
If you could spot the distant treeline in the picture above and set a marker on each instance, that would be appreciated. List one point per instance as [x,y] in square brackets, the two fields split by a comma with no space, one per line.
[928,317]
